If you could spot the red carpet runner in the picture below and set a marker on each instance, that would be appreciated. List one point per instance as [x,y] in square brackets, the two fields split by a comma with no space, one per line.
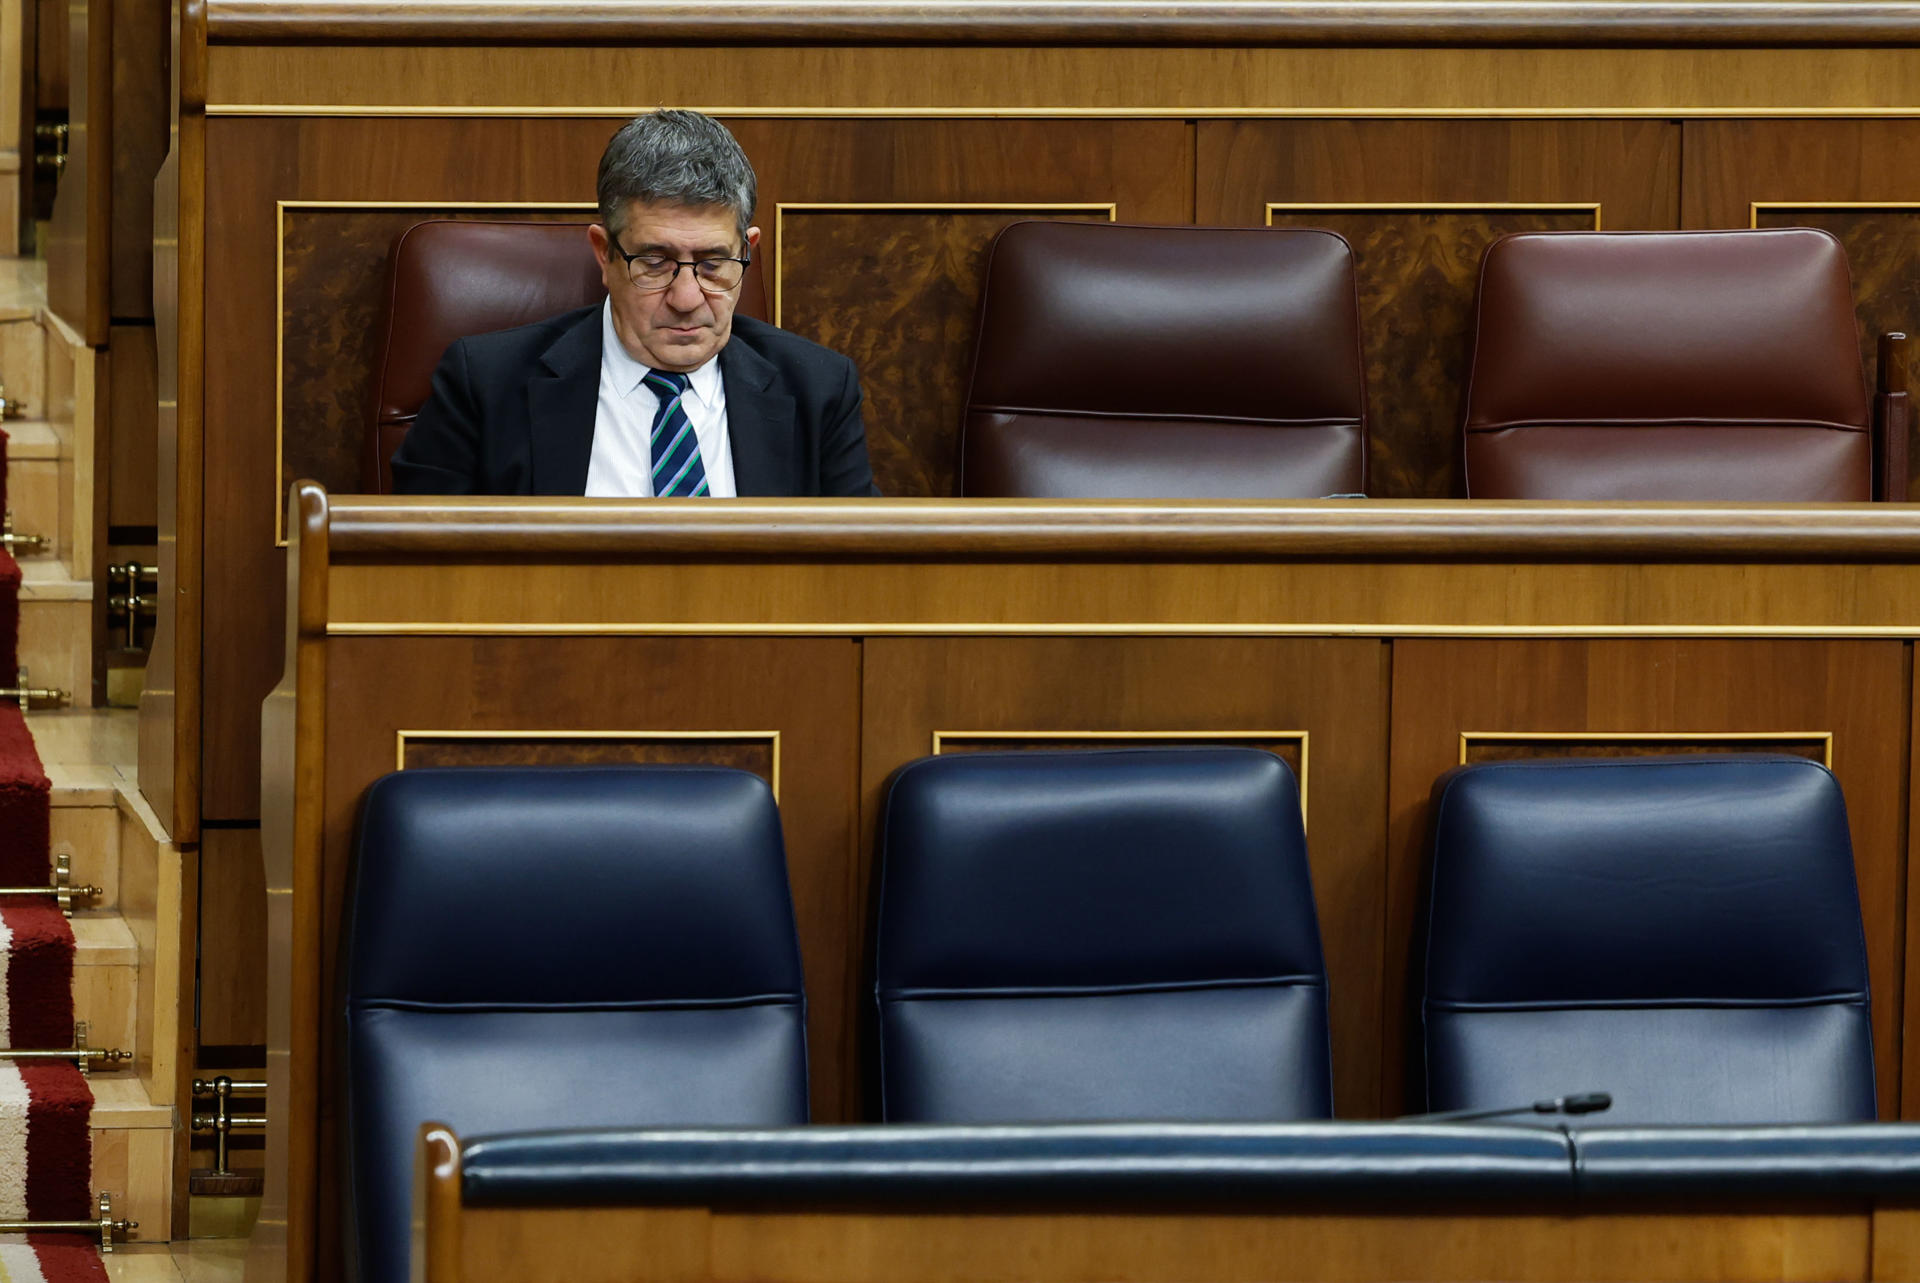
[45,1145]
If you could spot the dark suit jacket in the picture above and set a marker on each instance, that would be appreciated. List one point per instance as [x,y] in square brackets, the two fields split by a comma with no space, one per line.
[513,413]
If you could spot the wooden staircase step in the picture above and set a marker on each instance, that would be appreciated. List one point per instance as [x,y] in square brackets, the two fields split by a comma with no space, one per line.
[31,439]
[106,980]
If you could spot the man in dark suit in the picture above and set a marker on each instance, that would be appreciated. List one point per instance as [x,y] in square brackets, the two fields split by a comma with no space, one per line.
[660,391]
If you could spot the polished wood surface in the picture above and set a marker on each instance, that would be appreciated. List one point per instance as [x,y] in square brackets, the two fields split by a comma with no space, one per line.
[1394,22]
[1012,529]
[170,712]
[1646,691]
[567,1245]
[1859,179]
[1176,82]
[1371,644]
[1178,113]
[232,976]
[79,240]
[1420,201]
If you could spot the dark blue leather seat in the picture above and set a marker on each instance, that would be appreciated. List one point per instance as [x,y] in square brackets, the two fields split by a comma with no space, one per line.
[1074,936]
[1683,932]
[561,947]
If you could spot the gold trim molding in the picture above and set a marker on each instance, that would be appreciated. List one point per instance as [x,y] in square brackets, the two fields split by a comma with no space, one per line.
[1110,208]
[280,209]
[772,738]
[942,738]
[461,628]
[460,111]
[1756,208]
[1823,738]
[1421,206]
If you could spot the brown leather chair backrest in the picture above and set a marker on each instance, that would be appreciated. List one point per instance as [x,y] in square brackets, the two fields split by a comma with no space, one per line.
[1166,362]
[448,279]
[1667,365]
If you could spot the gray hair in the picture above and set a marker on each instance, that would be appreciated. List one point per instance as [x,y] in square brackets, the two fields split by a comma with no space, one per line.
[676,158]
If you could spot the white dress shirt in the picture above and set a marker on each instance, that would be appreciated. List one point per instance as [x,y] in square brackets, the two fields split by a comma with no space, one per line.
[622,462]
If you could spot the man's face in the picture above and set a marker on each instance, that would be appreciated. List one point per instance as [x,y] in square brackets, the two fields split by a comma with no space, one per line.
[681,327]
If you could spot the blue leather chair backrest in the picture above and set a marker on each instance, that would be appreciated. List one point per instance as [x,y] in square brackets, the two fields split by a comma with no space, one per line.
[555,947]
[1079,936]
[1683,932]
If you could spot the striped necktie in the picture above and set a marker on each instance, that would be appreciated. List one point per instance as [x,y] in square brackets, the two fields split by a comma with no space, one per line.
[677,472]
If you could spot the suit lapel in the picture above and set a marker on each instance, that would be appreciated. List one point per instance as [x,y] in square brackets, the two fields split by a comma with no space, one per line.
[562,402]
[760,424]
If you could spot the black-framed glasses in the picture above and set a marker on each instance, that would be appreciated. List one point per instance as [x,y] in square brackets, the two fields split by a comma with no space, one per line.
[651,273]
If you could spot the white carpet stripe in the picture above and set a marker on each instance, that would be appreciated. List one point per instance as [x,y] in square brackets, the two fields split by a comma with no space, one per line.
[6,957]
[13,1143]
[18,1261]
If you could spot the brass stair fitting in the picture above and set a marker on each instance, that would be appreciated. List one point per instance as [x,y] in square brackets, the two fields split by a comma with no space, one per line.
[61,888]
[128,605]
[18,543]
[50,139]
[104,1225]
[9,407]
[81,1054]
[28,695]
[223,1120]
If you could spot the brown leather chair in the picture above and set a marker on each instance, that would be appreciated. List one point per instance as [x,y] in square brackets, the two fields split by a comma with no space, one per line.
[1677,366]
[1166,362]
[448,279]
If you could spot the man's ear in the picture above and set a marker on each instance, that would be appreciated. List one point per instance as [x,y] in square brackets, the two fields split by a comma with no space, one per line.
[753,240]
[602,244]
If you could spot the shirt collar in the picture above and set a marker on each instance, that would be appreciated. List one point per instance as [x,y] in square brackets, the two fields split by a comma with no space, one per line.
[626,374]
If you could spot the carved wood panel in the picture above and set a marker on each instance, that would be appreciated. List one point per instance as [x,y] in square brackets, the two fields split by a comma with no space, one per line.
[1704,695]
[333,272]
[1416,270]
[1420,200]
[898,290]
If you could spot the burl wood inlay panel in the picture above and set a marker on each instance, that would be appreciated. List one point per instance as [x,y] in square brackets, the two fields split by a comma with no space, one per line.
[1416,270]
[1503,749]
[740,752]
[1883,249]
[898,291]
[333,308]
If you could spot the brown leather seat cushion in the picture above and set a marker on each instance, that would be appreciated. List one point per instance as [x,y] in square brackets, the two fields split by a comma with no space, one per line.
[1166,362]
[449,279]
[1667,365]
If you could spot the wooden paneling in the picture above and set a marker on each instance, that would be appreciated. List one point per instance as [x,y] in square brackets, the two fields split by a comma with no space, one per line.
[897,289]
[1870,172]
[1120,22]
[758,754]
[899,292]
[1417,260]
[807,689]
[1174,81]
[333,278]
[900,318]
[1160,1244]
[132,476]
[233,939]
[1334,689]
[1442,688]
[78,240]
[140,87]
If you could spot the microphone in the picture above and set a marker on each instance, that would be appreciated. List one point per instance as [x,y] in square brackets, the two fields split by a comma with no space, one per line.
[1586,1102]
